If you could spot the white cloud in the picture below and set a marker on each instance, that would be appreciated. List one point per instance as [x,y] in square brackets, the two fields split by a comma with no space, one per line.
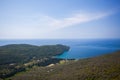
[47,23]
[40,25]
[77,19]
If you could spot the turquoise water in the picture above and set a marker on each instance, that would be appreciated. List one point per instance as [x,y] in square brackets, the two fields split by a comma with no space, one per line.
[78,52]
[79,48]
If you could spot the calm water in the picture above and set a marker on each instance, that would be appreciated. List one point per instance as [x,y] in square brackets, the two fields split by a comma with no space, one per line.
[79,48]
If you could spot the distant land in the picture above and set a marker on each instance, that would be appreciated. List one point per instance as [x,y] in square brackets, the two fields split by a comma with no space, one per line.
[18,57]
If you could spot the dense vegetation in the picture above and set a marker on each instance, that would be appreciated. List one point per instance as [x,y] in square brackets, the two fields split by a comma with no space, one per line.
[17,57]
[106,67]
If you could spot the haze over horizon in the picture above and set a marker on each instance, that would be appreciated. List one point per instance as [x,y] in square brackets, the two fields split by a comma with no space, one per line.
[59,19]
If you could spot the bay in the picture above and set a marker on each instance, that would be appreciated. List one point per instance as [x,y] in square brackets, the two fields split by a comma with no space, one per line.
[79,48]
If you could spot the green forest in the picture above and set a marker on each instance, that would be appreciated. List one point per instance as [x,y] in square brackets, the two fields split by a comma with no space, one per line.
[106,67]
[17,57]
[29,62]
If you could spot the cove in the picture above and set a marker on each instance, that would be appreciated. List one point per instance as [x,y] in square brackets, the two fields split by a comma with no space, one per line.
[79,48]
[79,52]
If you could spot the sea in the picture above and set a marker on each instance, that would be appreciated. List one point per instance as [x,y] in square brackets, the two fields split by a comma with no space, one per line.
[79,48]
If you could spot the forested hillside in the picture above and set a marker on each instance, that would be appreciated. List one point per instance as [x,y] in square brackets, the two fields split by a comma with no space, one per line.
[16,57]
[106,67]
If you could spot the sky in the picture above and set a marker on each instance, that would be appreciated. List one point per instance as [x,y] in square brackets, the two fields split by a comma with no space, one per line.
[59,19]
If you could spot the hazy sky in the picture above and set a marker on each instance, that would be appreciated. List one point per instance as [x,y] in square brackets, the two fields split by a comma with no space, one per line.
[36,19]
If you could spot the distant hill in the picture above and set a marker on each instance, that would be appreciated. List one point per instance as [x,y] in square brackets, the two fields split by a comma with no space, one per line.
[15,57]
[17,53]
[106,67]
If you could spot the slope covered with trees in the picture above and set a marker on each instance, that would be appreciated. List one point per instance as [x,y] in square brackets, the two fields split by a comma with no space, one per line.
[106,67]
[16,57]
[23,52]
